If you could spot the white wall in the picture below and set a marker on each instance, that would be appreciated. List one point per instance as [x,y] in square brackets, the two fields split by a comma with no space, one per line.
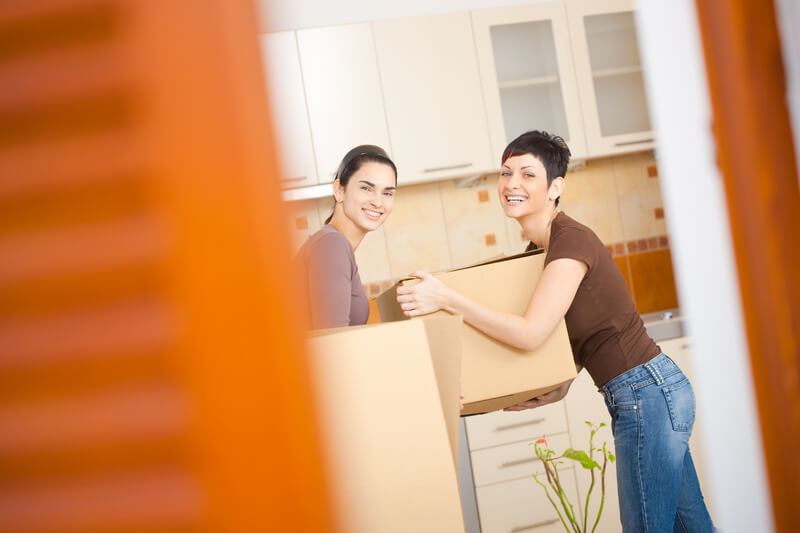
[278,15]
[788,14]
[704,264]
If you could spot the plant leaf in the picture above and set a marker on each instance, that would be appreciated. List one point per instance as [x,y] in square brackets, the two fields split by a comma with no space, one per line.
[611,457]
[582,458]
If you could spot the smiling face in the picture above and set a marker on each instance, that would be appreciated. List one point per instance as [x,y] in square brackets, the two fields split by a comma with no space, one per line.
[368,197]
[522,186]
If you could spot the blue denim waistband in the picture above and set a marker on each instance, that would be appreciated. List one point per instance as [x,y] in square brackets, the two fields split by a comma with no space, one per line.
[656,370]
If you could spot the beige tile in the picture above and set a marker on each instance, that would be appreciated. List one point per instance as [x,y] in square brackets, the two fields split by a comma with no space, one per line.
[303,221]
[372,257]
[590,197]
[415,231]
[474,221]
[639,196]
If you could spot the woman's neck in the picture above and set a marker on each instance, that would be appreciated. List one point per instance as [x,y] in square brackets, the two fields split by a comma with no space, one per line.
[346,227]
[536,226]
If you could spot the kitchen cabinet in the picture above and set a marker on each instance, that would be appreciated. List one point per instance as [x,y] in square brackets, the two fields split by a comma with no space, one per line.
[609,74]
[288,109]
[527,73]
[433,99]
[503,465]
[343,91]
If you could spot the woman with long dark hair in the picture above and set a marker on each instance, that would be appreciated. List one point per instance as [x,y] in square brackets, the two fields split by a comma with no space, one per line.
[363,191]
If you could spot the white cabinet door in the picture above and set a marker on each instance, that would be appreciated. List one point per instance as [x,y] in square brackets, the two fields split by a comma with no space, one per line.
[610,79]
[521,505]
[343,91]
[528,77]
[288,109]
[433,97]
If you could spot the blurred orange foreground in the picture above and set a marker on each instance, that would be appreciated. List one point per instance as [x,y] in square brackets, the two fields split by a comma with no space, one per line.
[152,373]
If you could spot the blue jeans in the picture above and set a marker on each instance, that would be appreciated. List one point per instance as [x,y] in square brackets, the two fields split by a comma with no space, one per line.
[652,414]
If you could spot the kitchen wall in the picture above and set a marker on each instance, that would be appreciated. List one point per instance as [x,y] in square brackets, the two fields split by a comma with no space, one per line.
[438,226]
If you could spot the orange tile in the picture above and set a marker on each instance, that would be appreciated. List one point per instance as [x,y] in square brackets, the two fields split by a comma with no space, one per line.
[632,247]
[483,196]
[622,264]
[490,239]
[374,314]
[658,212]
[652,171]
[653,281]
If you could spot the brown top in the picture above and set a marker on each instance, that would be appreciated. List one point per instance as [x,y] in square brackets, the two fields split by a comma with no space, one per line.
[336,296]
[605,330]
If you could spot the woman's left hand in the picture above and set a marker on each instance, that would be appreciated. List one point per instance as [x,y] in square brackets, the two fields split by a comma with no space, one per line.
[425,297]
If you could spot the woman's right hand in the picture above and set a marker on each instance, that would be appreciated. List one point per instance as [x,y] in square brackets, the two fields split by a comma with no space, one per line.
[427,296]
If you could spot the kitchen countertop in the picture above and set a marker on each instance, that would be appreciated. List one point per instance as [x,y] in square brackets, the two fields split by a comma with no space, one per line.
[666,324]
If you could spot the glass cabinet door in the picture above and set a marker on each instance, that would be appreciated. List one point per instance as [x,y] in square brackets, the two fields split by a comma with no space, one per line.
[610,79]
[616,73]
[527,73]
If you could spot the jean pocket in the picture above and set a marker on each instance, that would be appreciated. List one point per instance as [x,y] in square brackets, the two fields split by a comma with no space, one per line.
[680,401]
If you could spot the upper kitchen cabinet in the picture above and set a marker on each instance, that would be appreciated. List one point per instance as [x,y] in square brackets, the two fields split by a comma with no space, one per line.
[527,73]
[433,99]
[609,72]
[288,109]
[343,91]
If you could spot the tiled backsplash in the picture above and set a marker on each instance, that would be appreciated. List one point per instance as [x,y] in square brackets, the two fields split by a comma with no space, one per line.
[437,226]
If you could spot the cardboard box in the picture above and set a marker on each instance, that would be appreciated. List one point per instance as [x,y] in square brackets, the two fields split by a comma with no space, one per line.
[495,375]
[387,395]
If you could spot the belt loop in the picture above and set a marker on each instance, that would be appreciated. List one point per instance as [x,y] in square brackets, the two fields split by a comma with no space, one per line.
[653,369]
[606,394]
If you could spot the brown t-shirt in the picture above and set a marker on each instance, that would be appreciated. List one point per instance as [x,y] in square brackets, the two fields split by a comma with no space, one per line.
[336,295]
[605,330]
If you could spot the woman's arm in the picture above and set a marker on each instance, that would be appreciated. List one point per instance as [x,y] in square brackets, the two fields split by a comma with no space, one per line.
[550,301]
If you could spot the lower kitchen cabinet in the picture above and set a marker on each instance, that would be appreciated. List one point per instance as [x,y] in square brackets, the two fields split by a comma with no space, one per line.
[521,505]
[503,464]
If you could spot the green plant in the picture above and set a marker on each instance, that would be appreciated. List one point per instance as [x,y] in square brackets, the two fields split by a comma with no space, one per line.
[551,462]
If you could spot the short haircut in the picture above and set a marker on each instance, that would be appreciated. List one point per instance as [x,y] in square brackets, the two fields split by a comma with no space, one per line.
[550,149]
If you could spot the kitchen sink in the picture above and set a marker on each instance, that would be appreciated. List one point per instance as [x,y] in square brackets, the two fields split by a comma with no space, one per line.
[666,324]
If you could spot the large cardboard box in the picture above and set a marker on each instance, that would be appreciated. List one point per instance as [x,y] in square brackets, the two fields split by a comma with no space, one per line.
[389,426]
[495,375]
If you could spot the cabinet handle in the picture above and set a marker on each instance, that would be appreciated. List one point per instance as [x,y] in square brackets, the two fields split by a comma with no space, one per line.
[519,462]
[520,424]
[296,178]
[451,167]
[537,524]
[626,143]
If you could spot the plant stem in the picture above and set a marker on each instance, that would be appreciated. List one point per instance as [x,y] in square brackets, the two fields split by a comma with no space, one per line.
[553,503]
[586,505]
[602,488]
